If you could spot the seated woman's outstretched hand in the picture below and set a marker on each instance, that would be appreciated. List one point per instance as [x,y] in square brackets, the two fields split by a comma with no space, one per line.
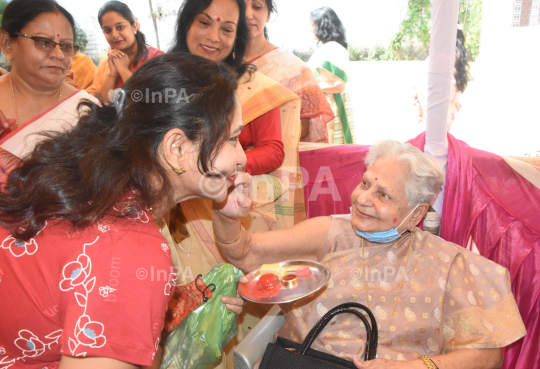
[387,364]
[235,304]
[238,202]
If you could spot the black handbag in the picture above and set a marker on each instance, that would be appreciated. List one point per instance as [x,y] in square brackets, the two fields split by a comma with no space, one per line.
[286,354]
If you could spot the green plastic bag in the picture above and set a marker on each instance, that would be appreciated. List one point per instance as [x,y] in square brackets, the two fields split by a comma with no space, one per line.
[198,340]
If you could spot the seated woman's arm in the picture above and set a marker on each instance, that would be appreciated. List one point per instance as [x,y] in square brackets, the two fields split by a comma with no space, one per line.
[264,133]
[305,240]
[459,359]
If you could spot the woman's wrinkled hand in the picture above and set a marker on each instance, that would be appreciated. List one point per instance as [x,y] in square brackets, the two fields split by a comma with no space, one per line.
[235,304]
[384,364]
[238,202]
[6,123]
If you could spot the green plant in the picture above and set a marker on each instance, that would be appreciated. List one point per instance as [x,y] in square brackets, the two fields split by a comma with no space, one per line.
[3,4]
[82,39]
[413,29]
[357,53]
[303,55]
[413,36]
[470,15]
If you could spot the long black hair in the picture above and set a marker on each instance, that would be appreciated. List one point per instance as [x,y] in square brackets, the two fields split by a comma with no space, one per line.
[328,26]
[82,173]
[125,12]
[19,13]
[272,8]
[461,64]
[186,15]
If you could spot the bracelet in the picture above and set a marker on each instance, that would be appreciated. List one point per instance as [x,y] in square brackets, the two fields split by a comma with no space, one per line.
[429,363]
[233,241]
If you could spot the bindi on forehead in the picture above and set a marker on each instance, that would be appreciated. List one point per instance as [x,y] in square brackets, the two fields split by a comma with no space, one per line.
[218,19]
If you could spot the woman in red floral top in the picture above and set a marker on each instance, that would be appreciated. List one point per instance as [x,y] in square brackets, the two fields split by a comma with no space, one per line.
[85,274]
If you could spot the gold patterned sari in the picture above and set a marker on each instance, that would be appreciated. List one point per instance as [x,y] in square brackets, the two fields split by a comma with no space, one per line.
[451,298]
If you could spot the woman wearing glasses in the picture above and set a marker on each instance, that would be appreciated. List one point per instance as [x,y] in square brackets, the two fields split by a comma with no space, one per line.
[127,52]
[37,37]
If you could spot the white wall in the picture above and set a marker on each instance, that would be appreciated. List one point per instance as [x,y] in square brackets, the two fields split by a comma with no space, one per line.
[501,109]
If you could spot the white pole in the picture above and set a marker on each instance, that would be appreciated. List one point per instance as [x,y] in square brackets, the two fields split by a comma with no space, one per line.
[442,50]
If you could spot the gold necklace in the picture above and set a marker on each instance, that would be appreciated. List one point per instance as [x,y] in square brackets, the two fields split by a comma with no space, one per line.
[15,102]
[399,287]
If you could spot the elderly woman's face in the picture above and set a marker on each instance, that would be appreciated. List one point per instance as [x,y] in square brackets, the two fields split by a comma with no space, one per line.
[213,32]
[379,202]
[42,69]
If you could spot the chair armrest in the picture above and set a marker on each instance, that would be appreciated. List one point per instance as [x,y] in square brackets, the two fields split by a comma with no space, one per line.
[252,347]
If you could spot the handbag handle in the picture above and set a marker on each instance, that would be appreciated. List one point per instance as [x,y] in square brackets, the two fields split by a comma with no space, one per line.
[371,329]
[374,327]
[356,305]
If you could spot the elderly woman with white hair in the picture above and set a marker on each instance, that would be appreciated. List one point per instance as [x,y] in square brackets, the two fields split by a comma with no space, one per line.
[436,303]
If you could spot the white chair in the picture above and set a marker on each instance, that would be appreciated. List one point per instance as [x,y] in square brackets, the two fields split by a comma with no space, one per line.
[252,347]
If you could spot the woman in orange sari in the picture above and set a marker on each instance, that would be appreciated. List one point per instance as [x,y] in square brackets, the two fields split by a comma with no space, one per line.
[128,49]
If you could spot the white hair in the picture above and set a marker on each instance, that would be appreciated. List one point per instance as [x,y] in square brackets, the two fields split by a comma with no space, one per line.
[425,175]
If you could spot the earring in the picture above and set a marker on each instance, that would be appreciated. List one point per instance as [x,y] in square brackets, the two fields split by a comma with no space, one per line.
[8,60]
[179,170]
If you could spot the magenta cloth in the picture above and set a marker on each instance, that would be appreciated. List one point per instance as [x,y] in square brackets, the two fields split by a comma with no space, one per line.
[330,176]
[484,199]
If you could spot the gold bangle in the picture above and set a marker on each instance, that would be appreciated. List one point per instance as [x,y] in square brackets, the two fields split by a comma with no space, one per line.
[233,241]
[429,363]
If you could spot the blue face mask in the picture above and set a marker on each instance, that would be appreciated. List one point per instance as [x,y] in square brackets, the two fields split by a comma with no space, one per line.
[386,236]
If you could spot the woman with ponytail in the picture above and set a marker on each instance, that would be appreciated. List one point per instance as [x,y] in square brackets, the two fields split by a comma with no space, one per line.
[128,48]
[330,63]
[86,273]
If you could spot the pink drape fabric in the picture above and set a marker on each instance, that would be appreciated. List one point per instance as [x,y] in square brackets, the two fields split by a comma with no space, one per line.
[330,175]
[484,199]
[487,200]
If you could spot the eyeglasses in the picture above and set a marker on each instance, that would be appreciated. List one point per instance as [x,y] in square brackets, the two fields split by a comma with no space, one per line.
[48,45]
